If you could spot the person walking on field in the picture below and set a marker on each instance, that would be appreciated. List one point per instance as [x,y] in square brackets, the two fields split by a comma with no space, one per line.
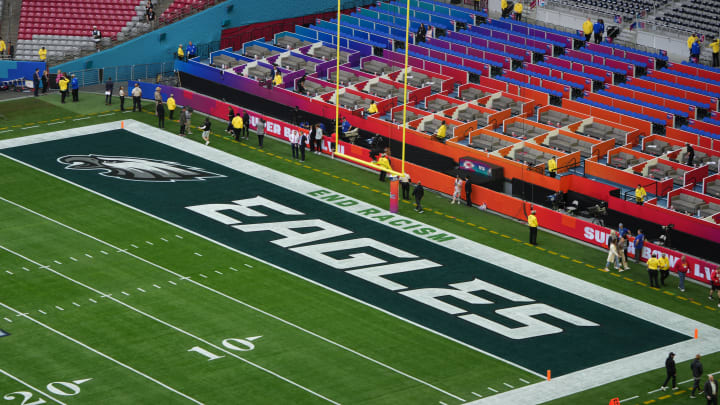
[664,268]
[418,193]
[237,124]
[671,372]
[456,190]
[206,130]
[231,115]
[612,251]
[622,260]
[715,283]
[697,371]
[468,191]
[533,225]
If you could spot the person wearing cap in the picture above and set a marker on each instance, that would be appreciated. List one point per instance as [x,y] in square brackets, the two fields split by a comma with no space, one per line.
[75,87]
[533,225]
[171,105]
[653,264]
[671,372]
[158,95]
[180,53]
[715,48]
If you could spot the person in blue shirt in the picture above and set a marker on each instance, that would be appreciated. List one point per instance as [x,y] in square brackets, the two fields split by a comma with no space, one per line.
[348,131]
[191,50]
[75,87]
[599,29]
[695,52]
[638,244]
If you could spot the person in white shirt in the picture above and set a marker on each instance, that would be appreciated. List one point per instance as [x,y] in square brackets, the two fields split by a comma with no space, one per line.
[318,137]
[711,390]
[295,144]
[136,95]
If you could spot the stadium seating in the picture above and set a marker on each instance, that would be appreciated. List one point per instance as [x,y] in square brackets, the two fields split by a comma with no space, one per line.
[698,16]
[64,27]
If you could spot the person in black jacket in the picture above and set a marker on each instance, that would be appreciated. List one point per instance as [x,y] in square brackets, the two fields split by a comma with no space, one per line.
[468,191]
[711,390]
[231,115]
[246,125]
[690,154]
[36,82]
[418,193]
[697,371]
[160,110]
[45,81]
[421,32]
[670,371]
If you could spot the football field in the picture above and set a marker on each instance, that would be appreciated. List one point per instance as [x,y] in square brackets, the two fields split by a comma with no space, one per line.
[141,267]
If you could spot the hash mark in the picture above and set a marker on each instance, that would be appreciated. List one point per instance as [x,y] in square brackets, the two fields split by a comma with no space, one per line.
[198,254]
[126,294]
[493,390]
[140,289]
[156,286]
[76,304]
[247,265]
[8,319]
[9,272]
[92,300]
[57,262]
[476,394]
[88,256]
[172,282]
[133,245]
[178,236]
[233,269]
[42,312]
[508,385]
[59,308]
[73,259]
[442,403]
[103,252]
[26,269]
[202,275]
[216,271]
[523,380]
[149,243]
[163,239]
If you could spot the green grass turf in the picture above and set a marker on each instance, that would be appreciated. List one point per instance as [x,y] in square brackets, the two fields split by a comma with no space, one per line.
[507,235]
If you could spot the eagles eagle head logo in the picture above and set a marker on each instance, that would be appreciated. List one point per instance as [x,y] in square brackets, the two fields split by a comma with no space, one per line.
[136,169]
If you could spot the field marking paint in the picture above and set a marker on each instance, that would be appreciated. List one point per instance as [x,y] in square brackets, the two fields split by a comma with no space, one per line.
[135,246]
[140,289]
[31,387]
[164,240]
[202,275]
[34,126]
[76,304]
[218,272]
[99,353]
[73,259]
[524,380]
[89,256]
[8,319]
[508,385]
[149,243]
[103,252]
[169,325]
[247,265]
[298,327]
[156,286]
[198,254]
[42,312]
[125,294]
[80,119]
[172,282]
[55,123]
[629,399]
[558,387]
[25,268]
[233,269]
[493,390]
[9,272]
[59,308]
[57,262]
[92,300]
[476,394]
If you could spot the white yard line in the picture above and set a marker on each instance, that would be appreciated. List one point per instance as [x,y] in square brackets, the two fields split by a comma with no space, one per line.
[176,328]
[298,327]
[57,332]
[31,387]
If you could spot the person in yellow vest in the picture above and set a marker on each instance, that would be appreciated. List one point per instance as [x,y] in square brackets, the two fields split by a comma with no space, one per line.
[714,47]
[504,8]
[664,267]
[640,195]
[653,264]
[237,124]
[518,11]
[278,80]
[180,53]
[42,53]
[533,225]
[3,47]
[373,108]
[383,162]
[63,84]
[690,41]
[552,166]
[171,105]
[587,29]
[441,133]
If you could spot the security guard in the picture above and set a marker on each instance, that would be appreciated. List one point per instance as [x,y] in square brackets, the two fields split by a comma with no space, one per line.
[653,264]
[664,266]
[533,225]
[715,47]
[552,166]
[587,29]
[171,105]
[237,124]
[640,194]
